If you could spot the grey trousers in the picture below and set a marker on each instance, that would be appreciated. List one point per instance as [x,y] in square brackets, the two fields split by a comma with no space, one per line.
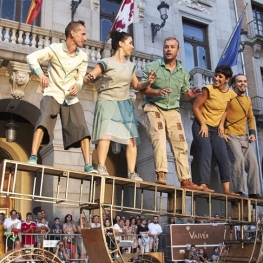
[243,159]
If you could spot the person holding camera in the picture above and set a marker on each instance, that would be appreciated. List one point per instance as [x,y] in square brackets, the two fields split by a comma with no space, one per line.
[62,252]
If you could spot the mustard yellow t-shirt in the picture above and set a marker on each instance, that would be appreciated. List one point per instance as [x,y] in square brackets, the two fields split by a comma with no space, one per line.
[239,116]
[215,105]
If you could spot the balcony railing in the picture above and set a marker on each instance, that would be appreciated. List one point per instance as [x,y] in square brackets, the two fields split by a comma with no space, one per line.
[200,77]
[256,28]
[23,37]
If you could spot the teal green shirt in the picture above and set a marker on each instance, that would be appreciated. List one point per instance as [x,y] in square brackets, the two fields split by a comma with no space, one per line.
[177,81]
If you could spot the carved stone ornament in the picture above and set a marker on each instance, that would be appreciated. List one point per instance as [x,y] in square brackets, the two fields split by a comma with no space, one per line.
[141,8]
[95,5]
[257,50]
[193,4]
[19,78]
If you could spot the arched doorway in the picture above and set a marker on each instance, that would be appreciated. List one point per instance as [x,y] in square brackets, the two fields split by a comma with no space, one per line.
[25,116]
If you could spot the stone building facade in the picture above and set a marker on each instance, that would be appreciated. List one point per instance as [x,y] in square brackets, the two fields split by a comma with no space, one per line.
[203,29]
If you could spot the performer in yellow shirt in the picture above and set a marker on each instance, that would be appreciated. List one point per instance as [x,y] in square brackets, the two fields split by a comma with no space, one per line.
[208,129]
[240,149]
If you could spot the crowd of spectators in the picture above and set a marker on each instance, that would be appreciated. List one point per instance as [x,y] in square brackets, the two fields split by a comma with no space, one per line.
[29,233]
[141,233]
[134,234]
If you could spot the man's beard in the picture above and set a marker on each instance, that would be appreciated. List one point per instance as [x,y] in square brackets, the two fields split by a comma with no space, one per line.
[242,91]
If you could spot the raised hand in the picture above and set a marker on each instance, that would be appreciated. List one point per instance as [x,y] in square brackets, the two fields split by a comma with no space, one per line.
[194,92]
[151,76]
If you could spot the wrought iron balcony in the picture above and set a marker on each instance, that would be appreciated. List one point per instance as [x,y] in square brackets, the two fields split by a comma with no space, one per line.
[256,28]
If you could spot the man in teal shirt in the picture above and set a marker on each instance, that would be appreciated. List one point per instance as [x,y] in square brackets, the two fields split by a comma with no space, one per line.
[162,112]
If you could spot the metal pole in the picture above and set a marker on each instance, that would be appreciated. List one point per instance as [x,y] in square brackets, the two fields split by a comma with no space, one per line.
[257,145]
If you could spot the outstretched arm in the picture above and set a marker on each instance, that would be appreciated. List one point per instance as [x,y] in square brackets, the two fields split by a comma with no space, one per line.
[98,69]
[143,85]
[191,94]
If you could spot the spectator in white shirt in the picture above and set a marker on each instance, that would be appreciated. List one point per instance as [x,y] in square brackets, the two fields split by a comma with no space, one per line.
[95,222]
[12,228]
[155,231]
[118,229]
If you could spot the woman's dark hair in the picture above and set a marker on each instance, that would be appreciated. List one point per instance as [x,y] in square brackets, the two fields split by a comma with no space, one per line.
[115,219]
[132,218]
[116,37]
[204,254]
[143,219]
[225,70]
[170,220]
[107,219]
[66,218]
[19,215]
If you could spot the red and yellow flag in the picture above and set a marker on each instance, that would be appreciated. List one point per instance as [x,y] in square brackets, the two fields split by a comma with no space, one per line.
[33,11]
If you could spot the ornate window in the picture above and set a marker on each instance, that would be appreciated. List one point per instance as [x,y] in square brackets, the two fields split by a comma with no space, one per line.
[258,20]
[16,10]
[196,46]
[108,12]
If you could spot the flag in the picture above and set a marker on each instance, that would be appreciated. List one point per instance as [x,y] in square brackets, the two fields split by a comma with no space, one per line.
[230,54]
[124,17]
[33,11]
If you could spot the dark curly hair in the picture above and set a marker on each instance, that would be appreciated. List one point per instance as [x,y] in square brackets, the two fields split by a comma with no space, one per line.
[116,37]
[225,70]
[65,219]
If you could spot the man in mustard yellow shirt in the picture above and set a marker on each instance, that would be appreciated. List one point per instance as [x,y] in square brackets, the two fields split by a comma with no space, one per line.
[240,149]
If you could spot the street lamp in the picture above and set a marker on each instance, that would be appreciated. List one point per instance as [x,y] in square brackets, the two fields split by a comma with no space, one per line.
[11,129]
[74,5]
[243,39]
[163,9]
